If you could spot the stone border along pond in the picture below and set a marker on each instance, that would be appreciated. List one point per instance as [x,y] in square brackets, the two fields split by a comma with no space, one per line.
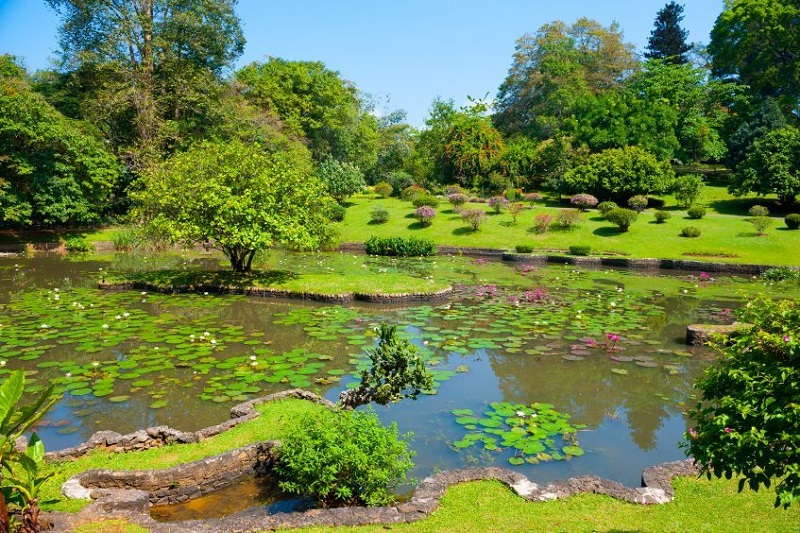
[129,494]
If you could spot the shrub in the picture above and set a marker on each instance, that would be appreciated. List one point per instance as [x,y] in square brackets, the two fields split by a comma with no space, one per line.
[662,216]
[379,215]
[758,211]
[474,217]
[696,212]
[454,189]
[399,246]
[399,180]
[524,248]
[411,192]
[568,218]
[542,222]
[125,239]
[335,212]
[341,179]
[638,203]
[532,197]
[580,249]
[690,231]
[783,273]
[761,223]
[623,218]
[343,458]
[583,201]
[425,199]
[511,194]
[605,207]
[78,244]
[425,215]
[383,189]
[792,220]
[497,203]
[457,199]
[514,209]
[687,189]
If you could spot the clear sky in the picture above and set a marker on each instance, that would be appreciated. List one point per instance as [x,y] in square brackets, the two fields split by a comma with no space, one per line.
[404,52]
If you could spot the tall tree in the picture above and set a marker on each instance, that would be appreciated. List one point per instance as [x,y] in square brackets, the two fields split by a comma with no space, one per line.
[757,42]
[160,49]
[555,67]
[772,166]
[668,40]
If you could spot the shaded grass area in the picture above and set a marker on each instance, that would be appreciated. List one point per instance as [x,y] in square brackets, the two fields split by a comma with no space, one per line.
[725,233]
[700,505]
[275,419]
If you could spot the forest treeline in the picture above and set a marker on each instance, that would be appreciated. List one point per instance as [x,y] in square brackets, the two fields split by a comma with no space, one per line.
[140,82]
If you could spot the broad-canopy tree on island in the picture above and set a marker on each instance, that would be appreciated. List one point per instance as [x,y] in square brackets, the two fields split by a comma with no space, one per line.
[772,167]
[668,40]
[237,195]
[342,180]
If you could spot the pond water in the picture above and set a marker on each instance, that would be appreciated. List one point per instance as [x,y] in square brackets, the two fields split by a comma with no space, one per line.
[604,347]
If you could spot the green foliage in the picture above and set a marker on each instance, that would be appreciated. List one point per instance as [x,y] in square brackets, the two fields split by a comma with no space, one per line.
[240,197]
[342,180]
[690,231]
[470,151]
[783,273]
[425,199]
[668,40]
[748,421]
[126,239]
[605,207]
[542,222]
[662,216]
[619,173]
[399,246]
[761,223]
[758,211]
[623,218]
[78,244]
[383,189]
[497,203]
[772,166]
[412,191]
[379,215]
[580,249]
[754,122]
[792,220]
[567,218]
[687,189]
[696,212]
[638,203]
[524,248]
[343,458]
[474,217]
[396,371]
[335,212]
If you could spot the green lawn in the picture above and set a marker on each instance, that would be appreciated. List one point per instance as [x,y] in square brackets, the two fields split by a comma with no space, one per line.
[725,233]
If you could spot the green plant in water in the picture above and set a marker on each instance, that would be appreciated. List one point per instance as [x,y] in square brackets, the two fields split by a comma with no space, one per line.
[534,432]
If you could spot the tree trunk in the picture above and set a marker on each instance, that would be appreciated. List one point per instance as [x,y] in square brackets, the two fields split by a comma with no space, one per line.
[4,525]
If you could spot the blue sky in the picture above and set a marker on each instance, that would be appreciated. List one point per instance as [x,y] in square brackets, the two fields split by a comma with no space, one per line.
[403,52]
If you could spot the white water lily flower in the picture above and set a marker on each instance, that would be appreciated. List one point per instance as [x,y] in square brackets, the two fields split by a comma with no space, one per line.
[105,326]
[126,314]
[44,326]
[252,357]
[69,374]
[95,364]
[2,363]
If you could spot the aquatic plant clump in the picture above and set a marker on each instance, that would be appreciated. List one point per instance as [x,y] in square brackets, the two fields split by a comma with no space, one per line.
[534,433]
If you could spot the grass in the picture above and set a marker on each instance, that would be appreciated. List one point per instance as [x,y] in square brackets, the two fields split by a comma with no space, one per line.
[725,234]
[275,418]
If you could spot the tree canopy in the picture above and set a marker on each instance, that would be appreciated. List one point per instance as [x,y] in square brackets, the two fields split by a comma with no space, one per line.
[668,40]
[772,166]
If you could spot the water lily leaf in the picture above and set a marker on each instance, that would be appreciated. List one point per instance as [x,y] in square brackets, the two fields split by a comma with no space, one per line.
[575,451]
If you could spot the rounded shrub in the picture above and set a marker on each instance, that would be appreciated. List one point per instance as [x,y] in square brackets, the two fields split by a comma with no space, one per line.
[662,216]
[379,215]
[425,214]
[474,217]
[512,195]
[696,212]
[638,203]
[622,217]
[383,189]
[425,199]
[580,249]
[454,189]
[412,191]
[524,248]
[497,203]
[78,244]
[792,220]
[605,207]
[583,201]
[457,199]
[399,246]
[690,231]
[532,197]
[758,211]
[335,212]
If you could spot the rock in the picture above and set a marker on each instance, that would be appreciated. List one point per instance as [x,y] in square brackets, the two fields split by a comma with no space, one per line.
[73,489]
[700,334]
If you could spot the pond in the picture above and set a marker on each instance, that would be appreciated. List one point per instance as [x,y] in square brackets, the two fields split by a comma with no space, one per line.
[604,347]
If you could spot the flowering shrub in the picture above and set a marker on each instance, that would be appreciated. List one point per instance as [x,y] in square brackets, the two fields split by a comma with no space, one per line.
[498,203]
[542,222]
[474,217]
[638,203]
[425,215]
[568,217]
[457,199]
[583,201]
[514,210]
[383,189]
[532,197]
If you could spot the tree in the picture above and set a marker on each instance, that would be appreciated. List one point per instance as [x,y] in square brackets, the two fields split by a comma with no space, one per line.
[772,167]
[15,421]
[341,179]
[164,53]
[618,174]
[237,195]
[470,151]
[668,40]
[756,42]
[764,117]
[53,171]
[747,423]
[553,68]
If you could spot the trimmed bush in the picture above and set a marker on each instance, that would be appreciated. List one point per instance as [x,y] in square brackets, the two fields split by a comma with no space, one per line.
[792,220]
[583,201]
[690,231]
[696,212]
[568,218]
[425,199]
[638,203]
[457,199]
[399,246]
[454,189]
[379,215]
[662,216]
[758,211]
[425,215]
[343,458]
[497,203]
[622,217]
[580,249]
[78,244]
[412,191]
[524,248]
[605,207]
[335,212]
[474,217]
[383,189]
